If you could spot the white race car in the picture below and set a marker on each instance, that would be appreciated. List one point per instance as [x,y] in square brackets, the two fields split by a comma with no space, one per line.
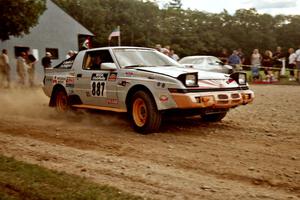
[144,83]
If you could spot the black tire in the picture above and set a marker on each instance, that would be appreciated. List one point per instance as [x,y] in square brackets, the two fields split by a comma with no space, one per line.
[144,114]
[216,117]
[61,101]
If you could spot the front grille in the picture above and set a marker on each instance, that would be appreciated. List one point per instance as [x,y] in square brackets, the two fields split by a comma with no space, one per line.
[235,96]
[222,96]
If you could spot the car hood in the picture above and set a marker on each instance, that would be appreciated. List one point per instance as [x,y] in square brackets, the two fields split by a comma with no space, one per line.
[177,71]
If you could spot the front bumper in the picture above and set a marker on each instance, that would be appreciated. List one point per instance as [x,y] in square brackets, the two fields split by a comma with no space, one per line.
[220,99]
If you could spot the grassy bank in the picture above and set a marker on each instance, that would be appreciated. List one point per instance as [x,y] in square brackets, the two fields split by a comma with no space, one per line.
[19,180]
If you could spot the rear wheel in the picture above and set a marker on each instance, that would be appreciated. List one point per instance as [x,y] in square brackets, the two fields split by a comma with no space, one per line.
[144,114]
[61,101]
[215,117]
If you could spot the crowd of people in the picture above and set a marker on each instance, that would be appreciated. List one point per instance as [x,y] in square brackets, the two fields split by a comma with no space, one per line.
[25,67]
[270,62]
[167,51]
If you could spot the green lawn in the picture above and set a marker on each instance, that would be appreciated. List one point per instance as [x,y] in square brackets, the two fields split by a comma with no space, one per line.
[19,180]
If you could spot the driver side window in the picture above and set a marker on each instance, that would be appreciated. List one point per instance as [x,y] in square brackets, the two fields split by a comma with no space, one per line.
[94,59]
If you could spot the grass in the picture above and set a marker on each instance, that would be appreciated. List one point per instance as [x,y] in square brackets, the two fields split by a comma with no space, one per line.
[19,180]
[282,81]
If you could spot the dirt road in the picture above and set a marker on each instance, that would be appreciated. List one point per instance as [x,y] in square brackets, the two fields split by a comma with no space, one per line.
[254,153]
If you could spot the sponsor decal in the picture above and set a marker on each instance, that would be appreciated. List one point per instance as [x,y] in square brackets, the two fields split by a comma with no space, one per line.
[58,79]
[129,73]
[54,80]
[99,77]
[164,98]
[70,81]
[123,83]
[112,77]
[112,101]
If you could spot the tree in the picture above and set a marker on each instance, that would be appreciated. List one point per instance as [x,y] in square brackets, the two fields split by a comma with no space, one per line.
[18,16]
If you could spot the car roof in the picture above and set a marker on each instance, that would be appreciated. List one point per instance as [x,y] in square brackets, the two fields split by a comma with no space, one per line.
[205,56]
[119,47]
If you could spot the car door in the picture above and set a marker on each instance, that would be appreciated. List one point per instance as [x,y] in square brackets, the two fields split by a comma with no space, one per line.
[94,85]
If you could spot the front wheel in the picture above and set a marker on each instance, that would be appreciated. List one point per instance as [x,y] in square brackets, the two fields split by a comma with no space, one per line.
[61,101]
[215,117]
[144,114]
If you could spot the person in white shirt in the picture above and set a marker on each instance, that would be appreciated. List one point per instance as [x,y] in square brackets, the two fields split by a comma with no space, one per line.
[292,63]
[298,62]
[4,68]
[21,68]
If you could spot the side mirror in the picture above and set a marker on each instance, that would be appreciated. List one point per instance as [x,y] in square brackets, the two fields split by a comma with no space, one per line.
[108,66]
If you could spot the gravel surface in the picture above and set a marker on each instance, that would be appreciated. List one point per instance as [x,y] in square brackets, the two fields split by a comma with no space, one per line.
[254,153]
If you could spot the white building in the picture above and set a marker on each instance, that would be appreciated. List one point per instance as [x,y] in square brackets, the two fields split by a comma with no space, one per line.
[56,32]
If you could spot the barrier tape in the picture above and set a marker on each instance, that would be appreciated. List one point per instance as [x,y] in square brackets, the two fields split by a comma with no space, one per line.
[264,67]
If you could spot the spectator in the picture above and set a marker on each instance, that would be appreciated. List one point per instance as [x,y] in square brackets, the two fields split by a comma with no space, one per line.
[46,61]
[158,47]
[298,63]
[241,55]
[292,63]
[21,67]
[31,70]
[255,64]
[224,56]
[173,55]
[267,63]
[278,58]
[4,68]
[165,51]
[167,47]
[70,54]
[234,60]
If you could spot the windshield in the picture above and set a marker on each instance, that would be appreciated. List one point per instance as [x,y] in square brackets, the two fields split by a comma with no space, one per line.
[214,60]
[191,60]
[130,58]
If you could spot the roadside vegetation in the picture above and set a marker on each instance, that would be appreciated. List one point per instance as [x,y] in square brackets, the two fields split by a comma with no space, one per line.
[189,32]
[19,180]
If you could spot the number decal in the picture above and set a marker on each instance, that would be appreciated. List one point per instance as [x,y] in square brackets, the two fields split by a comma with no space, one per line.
[98,88]
[93,88]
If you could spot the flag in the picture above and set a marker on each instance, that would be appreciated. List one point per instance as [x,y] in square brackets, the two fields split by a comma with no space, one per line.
[86,44]
[115,33]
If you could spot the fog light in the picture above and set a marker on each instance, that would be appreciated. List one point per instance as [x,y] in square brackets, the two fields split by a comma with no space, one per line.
[207,99]
[246,96]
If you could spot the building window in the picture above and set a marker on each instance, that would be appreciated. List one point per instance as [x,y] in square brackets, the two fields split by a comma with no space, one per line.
[54,52]
[19,50]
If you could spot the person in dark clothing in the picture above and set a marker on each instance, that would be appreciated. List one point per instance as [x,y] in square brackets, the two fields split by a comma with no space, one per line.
[224,56]
[46,61]
[234,60]
[267,63]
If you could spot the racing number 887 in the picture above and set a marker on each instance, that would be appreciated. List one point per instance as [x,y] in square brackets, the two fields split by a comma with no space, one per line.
[98,88]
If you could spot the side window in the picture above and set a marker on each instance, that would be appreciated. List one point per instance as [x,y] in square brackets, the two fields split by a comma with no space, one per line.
[67,63]
[93,59]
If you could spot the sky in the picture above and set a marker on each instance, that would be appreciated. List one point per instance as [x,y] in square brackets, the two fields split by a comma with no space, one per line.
[273,7]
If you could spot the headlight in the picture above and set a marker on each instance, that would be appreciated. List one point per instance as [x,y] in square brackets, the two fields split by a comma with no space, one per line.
[239,77]
[242,79]
[191,80]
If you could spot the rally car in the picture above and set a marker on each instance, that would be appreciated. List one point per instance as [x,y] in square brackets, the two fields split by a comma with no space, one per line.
[144,83]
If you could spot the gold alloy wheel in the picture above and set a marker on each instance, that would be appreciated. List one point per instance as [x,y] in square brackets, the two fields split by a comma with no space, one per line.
[61,101]
[139,112]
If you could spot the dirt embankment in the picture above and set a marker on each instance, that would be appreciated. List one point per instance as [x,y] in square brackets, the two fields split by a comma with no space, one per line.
[254,153]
